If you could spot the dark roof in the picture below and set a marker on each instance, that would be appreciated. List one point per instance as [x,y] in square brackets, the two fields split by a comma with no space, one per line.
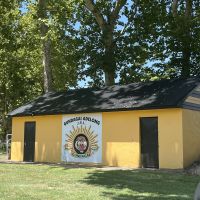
[135,96]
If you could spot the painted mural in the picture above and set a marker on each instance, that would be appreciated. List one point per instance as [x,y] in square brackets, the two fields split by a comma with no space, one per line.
[82,138]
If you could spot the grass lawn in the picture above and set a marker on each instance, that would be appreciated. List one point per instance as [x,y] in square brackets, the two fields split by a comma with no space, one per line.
[32,181]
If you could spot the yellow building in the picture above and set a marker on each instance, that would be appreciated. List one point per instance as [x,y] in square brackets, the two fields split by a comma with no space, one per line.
[152,125]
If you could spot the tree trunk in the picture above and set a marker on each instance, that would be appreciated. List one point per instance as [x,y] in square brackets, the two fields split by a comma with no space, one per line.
[185,37]
[186,53]
[46,66]
[109,78]
[188,9]
[174,8]
[109,61]
[109,66]
[185,73]
[107,27]
[46,61]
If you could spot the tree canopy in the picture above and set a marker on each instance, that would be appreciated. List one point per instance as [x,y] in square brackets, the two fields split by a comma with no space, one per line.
[54,45]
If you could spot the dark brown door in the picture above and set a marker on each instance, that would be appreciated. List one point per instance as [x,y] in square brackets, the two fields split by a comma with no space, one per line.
[29,141]
[149,142]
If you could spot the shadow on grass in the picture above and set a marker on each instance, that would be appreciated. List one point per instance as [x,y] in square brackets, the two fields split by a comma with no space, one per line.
[140,185]
[129,184]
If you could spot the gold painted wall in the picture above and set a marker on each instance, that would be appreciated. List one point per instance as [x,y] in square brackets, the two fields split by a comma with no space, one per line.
[120,133]
[191,136]
[47,141]
[17,145]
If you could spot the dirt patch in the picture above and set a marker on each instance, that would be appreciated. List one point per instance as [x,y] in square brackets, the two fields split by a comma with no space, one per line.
[3,157]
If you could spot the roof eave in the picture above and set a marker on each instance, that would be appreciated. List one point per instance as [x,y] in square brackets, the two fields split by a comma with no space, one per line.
[98,111]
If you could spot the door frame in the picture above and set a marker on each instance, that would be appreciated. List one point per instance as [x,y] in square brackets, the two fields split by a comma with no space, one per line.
[26,122]
[140,137]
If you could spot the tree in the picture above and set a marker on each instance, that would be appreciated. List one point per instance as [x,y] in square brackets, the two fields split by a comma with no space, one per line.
[183,22]
[21,70]
[114,39]
[107,26]
[179,41]
[16,78]
[46,45]
[45,24]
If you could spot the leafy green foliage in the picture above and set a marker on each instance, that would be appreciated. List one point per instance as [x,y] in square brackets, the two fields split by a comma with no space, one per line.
[21,72]
[177,45]
[148,42]
[130,37]
[17,82]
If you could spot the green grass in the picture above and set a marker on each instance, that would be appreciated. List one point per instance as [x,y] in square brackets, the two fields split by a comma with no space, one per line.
[26,181]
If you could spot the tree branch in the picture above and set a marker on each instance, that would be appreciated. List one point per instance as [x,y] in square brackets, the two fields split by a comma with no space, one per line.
[115,13]
[90,5]
[129,21]
[188,10]
[174,8]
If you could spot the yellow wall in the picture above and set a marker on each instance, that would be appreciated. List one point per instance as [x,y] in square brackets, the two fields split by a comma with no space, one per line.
[17,145]
[191,136]
[120,133]
[47,141]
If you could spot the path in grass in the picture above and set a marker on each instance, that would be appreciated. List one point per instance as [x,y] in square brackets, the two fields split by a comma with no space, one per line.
[26,181]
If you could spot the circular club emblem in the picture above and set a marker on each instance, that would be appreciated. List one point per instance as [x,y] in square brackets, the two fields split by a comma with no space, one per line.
[81,144]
